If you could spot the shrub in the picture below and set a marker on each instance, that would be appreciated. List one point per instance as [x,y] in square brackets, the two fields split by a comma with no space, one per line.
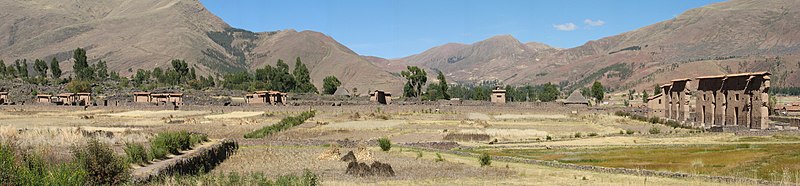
[33,170]
[578,135]
[548,138]
[621,132]
[385,144]
[173,143]
[655,130]
[419,154]
[284,124]
[485,160]
[102,166]
[233,178]
[592,134]
[438,158]
[629,132]
[136,153]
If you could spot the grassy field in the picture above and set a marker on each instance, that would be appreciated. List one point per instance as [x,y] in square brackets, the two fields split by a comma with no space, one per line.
[775,162]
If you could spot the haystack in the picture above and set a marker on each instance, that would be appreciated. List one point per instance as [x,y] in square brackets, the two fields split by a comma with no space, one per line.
[331,154]
[576,99]
[363,154]
[341,91]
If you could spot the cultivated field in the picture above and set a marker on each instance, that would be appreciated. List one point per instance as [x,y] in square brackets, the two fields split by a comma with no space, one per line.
[552,133]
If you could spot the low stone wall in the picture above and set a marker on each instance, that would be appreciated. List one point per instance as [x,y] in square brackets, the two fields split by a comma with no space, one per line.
[637,172]
[200,160]
[792,121]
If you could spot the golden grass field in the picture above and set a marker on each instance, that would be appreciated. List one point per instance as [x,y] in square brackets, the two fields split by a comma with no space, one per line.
[518,133]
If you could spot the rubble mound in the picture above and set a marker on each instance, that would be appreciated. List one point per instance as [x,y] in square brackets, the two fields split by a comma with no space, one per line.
[350,157]
[376,169]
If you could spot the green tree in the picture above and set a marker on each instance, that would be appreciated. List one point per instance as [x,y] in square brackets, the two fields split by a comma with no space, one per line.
[77,86]
[416,78]
[41,68]
[280,79]
[81,66]
[644,96]
[22,70]
[192,74]
[3,71]
[442,86]
[55,69]
[598,91]
[330,84]
[549,93]
[102,70]
[303,78]
[657,90]
[181,72]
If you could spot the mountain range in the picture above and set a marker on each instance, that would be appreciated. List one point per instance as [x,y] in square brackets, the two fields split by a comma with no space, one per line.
[728,37]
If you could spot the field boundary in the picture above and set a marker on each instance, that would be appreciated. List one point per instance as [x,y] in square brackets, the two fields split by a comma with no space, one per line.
[599,169]
[200,159]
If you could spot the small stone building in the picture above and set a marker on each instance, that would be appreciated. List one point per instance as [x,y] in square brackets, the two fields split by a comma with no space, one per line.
[734,100]
[263,97]
[65,99]
[4,98]
[656,105]
[141,97]
[498,96]
[83,98]
[44,98]
[172,98]
[380,96]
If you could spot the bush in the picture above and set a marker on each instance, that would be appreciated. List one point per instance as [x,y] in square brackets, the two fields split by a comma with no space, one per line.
[438,158]
[284,124]
[33,170]
[621,132]
[102,166]
[578,135]
[174,142]
[629,132]
[592,134]
[136,153]
[385,144]
[548,138]
[419,154]
[655,130]
[485,160]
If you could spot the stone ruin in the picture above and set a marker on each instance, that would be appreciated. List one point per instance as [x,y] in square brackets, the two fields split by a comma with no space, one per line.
[733,101]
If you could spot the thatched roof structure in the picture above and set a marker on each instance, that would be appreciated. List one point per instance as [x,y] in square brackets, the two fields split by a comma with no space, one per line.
[576,99]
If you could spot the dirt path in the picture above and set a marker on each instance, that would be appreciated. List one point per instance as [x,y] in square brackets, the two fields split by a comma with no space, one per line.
[142,173]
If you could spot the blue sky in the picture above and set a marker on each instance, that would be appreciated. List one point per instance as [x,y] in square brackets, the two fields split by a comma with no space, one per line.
[398,28]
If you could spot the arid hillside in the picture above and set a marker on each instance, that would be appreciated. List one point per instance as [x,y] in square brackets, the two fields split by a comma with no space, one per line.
[728,37]
[144,34]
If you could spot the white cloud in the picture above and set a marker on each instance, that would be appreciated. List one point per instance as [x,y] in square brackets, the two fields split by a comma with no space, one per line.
[591,22]
[565,27]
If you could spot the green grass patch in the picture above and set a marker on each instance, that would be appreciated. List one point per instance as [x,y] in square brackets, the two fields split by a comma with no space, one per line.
[775,162]
[284,124]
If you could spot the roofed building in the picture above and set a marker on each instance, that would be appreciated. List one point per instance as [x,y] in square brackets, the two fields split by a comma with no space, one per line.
[4,98]
[498,96]
[656,105]
[576,98]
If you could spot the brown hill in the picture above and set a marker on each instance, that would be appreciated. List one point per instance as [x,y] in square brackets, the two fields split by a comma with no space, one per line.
[728,37]
[133,34]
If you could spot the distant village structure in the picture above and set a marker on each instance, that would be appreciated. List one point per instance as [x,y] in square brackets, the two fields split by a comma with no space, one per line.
[74,99]
[172,98]
[263,97]
[381,97]
[733,101]
[576,99]
[498,96]
[4,98]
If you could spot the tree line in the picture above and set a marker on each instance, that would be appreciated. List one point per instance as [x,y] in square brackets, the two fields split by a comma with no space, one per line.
[416,79]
